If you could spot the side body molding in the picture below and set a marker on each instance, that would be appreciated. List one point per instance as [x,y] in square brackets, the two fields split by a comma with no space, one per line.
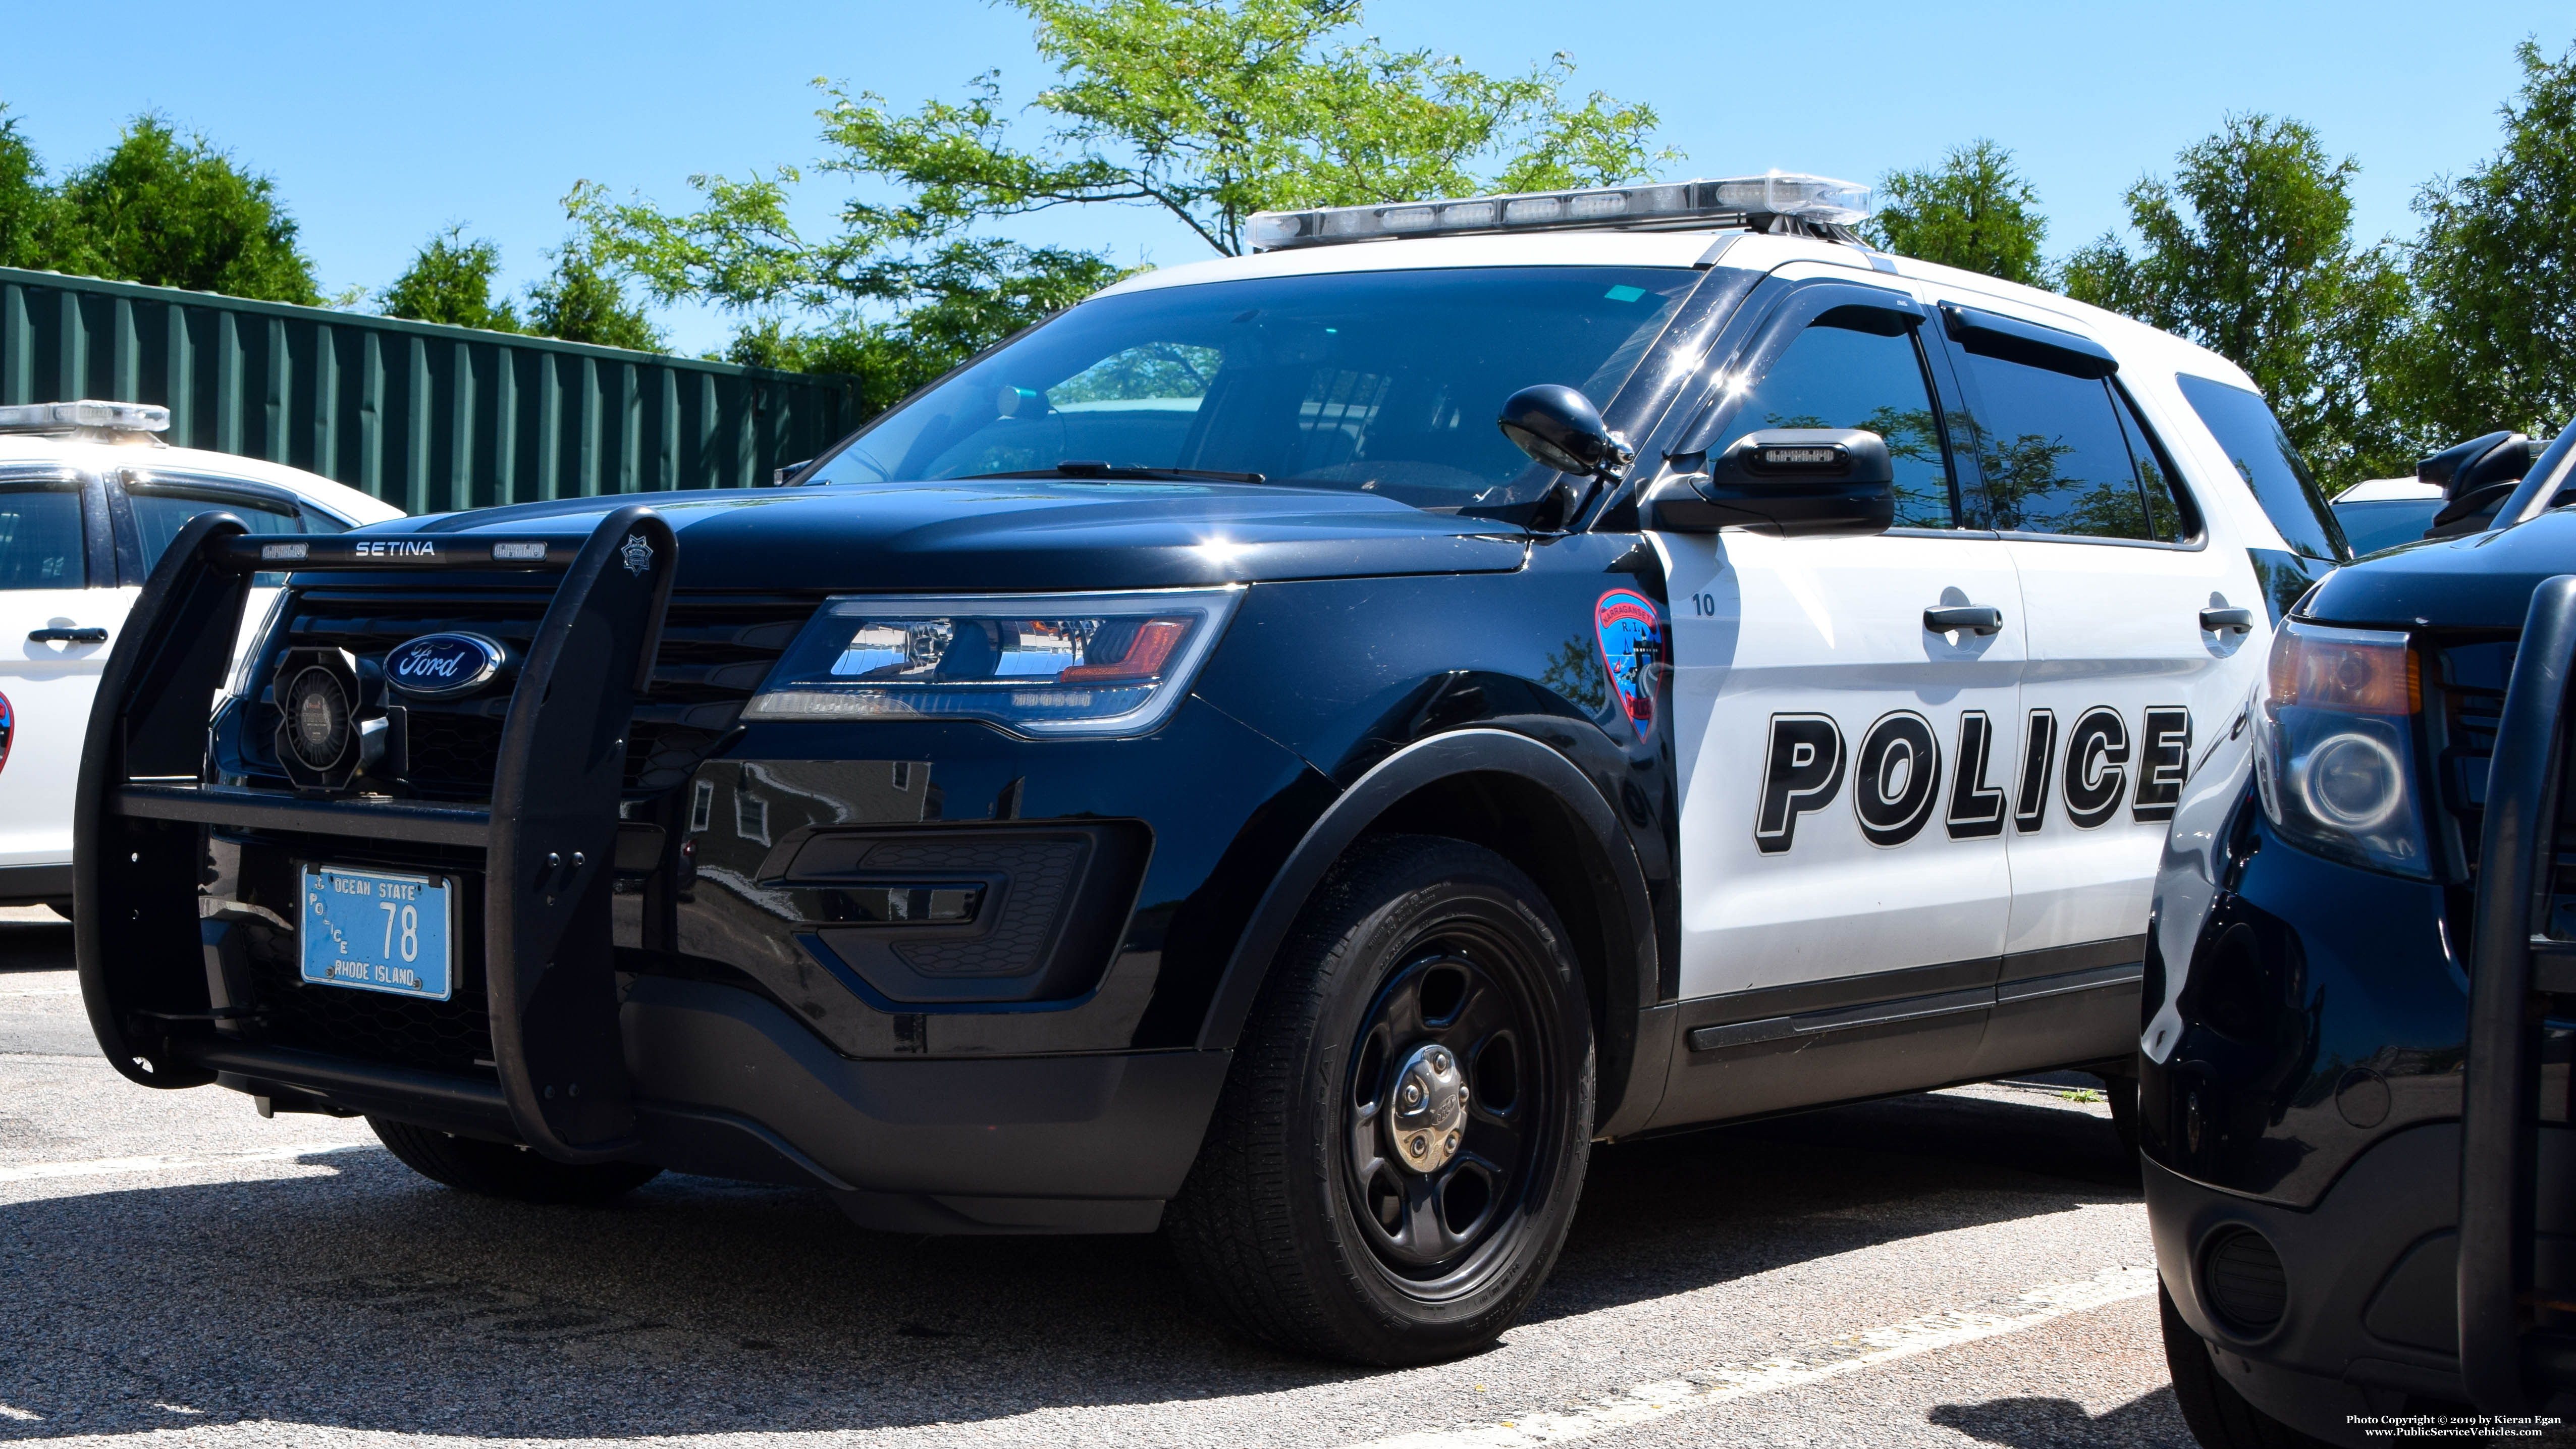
[1631,1030]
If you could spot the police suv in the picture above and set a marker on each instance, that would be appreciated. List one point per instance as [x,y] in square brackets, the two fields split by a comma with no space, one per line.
[1189,768]
[89,496]
[2355,1102]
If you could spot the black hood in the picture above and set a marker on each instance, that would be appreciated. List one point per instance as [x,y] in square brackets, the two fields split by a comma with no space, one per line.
[1023,534]
[2484,581]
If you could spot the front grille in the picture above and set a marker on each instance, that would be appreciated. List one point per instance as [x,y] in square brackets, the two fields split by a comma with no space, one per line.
[2470,678]
[714,655]
[453,1036]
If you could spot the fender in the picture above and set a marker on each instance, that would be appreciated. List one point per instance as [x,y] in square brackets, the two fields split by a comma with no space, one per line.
[1632,1021]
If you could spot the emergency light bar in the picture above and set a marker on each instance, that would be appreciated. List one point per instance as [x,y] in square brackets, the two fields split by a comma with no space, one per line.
[1663,205]
[123,417]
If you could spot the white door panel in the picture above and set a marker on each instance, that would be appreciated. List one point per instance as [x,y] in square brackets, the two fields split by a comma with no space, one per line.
[49,687]
[1867,867]
[2117,629]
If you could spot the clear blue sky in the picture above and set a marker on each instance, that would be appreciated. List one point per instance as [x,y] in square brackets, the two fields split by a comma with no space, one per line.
[382,123]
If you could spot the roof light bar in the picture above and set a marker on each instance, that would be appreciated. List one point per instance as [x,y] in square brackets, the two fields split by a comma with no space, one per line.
[1666,205]
[122,417]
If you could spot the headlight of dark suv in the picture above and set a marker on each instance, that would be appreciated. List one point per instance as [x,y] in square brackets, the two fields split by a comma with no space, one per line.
[2335,760]
[1045,665]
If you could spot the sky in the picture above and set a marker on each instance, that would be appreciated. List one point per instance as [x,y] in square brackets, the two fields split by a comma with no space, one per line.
[383,123]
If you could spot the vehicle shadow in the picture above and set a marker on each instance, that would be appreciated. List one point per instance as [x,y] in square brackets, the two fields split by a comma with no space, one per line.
[365,1298]
[2151,1421]
[36,944]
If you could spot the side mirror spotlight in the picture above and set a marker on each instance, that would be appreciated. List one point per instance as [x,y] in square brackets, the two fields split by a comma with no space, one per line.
[1794,482]
[1561,429]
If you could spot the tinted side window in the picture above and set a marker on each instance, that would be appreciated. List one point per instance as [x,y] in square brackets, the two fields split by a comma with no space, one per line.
[2063,454]
[1835,376]
[159,515]
[40,539]
[2245,427]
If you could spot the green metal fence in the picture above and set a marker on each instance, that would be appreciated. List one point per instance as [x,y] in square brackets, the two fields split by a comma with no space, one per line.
[427,417]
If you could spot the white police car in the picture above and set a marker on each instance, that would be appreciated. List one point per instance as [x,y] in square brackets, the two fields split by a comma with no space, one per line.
[1188,769]
[89,496]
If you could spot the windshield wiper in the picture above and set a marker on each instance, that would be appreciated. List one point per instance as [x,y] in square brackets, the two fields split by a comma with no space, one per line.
[1084,468]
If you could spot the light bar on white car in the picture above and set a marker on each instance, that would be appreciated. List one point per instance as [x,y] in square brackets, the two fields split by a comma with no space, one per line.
[1663,205]
[122,417]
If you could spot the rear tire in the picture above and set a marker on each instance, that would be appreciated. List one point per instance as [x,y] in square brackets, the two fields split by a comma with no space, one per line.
[1427,982]
[2218,1416]
[499,1169]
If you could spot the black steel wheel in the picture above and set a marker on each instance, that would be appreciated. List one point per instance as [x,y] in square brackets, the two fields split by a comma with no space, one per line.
[502,1169]
[1399,1148]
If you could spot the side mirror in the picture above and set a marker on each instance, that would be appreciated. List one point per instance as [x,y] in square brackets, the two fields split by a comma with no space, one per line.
[1561,429]
[1794,482]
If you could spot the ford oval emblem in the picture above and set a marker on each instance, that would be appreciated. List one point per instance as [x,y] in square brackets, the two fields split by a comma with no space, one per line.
[443,666]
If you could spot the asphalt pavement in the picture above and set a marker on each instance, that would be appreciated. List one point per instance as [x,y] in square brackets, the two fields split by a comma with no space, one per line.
[1957,1268]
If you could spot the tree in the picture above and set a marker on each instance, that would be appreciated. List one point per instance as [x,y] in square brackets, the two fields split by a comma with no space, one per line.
[1205,110]
[2496,347]
[26,206]
[1973,211]
[2248,251]
[450,281]
[178,213]
[582,302]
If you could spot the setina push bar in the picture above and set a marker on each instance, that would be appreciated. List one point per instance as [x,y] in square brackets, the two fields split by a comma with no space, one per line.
[147,972]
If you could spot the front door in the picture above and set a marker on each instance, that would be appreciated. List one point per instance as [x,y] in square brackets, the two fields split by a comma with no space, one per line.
[1843,765]
[55,632]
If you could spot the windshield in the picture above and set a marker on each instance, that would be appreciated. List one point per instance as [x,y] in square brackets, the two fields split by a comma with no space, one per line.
[1383,382]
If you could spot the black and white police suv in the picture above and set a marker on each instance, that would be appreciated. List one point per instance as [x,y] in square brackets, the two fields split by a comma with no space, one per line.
[2361,991]
[89,496]
[1190,769]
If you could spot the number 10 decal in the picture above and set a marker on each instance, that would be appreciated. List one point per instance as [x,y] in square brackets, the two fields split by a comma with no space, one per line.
[1898,774]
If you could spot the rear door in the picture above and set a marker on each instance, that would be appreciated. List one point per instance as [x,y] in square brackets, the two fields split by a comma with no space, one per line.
[60,608]
[2126,589]
[1844,876]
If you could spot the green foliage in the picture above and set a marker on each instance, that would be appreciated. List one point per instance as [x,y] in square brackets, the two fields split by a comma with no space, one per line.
[2497,276]
[1208,110]
[175,213]
[2248,251]
[581,301]
[25,205]
[1973,211]
[450,281]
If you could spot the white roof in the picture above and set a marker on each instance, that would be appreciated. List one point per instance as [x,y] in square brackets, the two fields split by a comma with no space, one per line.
[2384,490]
[92,454]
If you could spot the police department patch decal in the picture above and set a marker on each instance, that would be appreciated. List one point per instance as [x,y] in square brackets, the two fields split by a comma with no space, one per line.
[8,727]
[1631,630]
[637,553]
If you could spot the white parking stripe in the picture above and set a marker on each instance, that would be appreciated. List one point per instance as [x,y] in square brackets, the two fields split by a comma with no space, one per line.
[1832,1358]
[168,1161]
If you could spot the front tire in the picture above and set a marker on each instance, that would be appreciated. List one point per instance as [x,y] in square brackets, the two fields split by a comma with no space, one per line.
[1396,1157]
[500,1169]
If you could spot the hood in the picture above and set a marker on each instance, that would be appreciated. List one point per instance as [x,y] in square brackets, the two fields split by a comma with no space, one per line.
[2483,581]
[1023,534]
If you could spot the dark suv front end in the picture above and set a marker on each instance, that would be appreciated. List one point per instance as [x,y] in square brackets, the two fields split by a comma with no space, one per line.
[2326,944]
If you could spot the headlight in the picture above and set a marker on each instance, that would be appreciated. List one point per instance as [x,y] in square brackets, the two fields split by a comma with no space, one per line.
[1036,664]
[2336,760]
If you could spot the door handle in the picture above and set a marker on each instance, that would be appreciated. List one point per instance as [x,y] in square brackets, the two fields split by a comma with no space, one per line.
[2231,621]
[1975,618]
[67,636]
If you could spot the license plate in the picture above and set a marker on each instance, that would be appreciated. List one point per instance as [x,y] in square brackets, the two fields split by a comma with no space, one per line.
[378,931]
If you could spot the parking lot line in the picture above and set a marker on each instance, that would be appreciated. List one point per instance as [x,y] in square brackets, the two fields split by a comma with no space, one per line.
[166,1161]
[1830,1358]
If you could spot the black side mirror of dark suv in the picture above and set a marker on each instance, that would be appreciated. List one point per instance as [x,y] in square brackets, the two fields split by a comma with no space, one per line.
[1793,482]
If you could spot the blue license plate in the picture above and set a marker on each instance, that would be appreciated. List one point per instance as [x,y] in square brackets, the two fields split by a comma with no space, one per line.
[378,931]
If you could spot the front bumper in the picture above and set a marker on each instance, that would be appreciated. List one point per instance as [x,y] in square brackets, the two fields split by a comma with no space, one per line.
[670,1004]
[2369,1320]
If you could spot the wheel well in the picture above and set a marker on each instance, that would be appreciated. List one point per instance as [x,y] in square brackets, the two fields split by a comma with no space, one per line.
[1527,824]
